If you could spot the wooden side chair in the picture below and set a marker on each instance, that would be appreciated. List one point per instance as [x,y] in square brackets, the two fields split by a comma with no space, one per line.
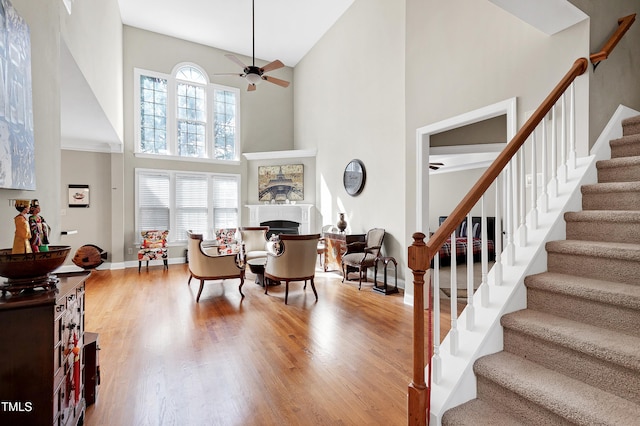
[153,247]
[361,256]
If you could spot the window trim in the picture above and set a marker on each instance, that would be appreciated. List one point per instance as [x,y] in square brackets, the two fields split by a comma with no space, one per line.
[172,200]
[172,143]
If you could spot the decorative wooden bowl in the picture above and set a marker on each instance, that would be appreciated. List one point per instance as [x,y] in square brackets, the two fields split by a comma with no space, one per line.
[31,267]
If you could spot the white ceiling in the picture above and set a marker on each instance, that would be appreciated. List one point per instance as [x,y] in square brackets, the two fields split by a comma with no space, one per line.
[285,29]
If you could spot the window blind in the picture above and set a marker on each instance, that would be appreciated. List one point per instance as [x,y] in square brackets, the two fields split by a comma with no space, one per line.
[153,201]
[191,205]
[225,202]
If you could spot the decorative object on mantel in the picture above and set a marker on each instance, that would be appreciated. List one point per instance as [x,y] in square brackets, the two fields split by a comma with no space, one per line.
[354,177]
[279,184]
[342,224]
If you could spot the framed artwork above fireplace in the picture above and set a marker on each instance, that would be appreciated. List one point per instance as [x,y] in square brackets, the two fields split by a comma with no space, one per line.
[279,184]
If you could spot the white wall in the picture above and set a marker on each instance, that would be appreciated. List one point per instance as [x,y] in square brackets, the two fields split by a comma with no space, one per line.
[349,104]
[93,34]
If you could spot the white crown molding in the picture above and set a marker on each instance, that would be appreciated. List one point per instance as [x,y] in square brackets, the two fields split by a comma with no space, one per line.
[276,155]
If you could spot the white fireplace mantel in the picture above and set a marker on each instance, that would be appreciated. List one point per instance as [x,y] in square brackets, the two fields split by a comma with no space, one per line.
[300,213]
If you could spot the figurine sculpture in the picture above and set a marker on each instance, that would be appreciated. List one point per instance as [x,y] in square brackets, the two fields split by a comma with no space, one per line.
[39,229]
[21,240]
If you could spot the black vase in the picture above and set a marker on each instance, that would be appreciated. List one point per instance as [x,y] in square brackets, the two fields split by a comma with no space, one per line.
[342,224]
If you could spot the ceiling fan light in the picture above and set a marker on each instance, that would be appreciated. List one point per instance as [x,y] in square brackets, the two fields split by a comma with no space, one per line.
[253,78]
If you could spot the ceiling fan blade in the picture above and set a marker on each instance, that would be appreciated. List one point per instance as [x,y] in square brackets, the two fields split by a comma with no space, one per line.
[433,167]
[235,59]
[272,66]
[277,81]
[251,88]
[229,73]
[436,164]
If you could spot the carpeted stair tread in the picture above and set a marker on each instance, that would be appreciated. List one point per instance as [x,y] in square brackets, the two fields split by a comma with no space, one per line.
[610,187]
[624,216]
[626,146]
[477,412]
[614,293]
[631,125]
[605,344]
[618,162]
[568,398]
[602,249]
[623,169]
[611,196]
[603,225]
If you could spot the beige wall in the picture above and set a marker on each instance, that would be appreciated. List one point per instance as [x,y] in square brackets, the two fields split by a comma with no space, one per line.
[611,84]
[349,104]
[465,54]
[93,223]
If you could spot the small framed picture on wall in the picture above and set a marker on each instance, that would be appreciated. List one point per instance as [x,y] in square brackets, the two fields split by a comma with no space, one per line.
[78,195]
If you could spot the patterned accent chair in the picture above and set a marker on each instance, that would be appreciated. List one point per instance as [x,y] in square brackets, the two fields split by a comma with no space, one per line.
[361,256]
[153,247]
[294,260]
[227,241]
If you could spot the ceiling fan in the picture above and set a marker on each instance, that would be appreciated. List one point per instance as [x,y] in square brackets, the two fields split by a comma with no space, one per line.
[435,166]
[252,73]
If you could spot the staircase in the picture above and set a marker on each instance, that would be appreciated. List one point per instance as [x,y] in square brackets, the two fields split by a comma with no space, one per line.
[573,356]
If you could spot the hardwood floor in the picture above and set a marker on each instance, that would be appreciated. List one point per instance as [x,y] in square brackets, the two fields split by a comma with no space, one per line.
[167,360]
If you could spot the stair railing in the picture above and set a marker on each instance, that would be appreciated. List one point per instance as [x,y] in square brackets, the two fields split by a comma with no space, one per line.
[508,176]
[511,164]
[623,25]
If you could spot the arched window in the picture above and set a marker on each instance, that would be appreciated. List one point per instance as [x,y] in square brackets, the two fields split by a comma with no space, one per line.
[184,116]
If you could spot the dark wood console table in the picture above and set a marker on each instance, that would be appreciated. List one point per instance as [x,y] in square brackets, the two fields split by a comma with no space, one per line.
[334,247]
[42,377]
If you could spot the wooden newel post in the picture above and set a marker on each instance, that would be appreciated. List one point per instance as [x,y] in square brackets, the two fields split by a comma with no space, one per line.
[419,393]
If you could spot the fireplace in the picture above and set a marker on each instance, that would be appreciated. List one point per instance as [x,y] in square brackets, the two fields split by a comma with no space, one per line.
[278,227]
[297,213]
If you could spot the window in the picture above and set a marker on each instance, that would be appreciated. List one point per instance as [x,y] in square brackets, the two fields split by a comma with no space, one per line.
[181,115]
[179,201]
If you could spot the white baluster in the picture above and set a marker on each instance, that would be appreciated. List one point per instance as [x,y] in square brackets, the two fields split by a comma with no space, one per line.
[497,239]
[533,214]
[453,333]
[544,196]
[522,230]
[484,256]
[553,185]
[572,126]
[563,141]
[470,308]
[509,213]
[437,362]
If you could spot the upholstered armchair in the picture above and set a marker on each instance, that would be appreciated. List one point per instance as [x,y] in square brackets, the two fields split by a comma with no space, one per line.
[294,260]
[360,256]
[153,247]
[254,241]
[205,267]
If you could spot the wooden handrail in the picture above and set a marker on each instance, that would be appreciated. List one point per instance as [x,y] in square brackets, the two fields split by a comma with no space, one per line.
[487,178]
[623,25]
